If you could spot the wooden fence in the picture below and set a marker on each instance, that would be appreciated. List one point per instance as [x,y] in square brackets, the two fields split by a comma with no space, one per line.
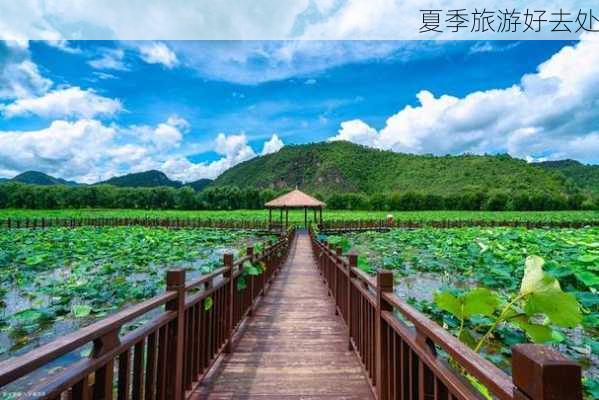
[341,226]
[399,347]
[166,356]
[331,226]
[34,223]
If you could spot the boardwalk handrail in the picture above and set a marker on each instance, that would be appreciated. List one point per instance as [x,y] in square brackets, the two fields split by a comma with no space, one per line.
[398,346]
[166,355]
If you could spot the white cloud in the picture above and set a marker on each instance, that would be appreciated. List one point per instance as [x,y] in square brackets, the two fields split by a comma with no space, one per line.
[357,131]
[69,102]
[64,45]
[102,75]
[263,20]
[253,62]
[489,47]
[178,122]
[111,59]
[273,145]
[551,113]
[111,19]
[89,151]
[158,53]
[233,149]
[19,76]
[66,149]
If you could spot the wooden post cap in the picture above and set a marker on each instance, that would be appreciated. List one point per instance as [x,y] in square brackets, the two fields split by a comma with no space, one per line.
[384,280]
[542,373]
[352,257]
[175,278]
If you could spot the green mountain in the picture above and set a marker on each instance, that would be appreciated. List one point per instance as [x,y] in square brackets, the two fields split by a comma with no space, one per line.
[336,167]
[151,178]
[584,176]
[200,184]
[39,178]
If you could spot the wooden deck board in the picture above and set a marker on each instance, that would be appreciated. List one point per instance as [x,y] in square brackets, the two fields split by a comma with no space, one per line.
[294,347]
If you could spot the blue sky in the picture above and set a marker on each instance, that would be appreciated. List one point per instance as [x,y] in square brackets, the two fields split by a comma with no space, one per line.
[88,110]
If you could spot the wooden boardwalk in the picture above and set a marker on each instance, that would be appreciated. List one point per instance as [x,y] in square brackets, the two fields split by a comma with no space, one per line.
[294,347]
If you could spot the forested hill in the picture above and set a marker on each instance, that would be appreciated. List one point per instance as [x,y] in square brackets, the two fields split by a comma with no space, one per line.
[584,176]
[39,178]
[335,167]
[142,179]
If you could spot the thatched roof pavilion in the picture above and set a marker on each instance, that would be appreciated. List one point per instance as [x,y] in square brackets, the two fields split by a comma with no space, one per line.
[295,199]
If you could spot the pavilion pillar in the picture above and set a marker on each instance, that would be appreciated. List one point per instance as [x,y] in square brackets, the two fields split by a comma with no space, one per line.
[286,218]
[315,219]
[269,218]
[320,215]
[306,217]
[281,219]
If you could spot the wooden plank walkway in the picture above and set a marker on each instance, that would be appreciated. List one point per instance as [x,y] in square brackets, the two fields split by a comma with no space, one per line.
[294,347]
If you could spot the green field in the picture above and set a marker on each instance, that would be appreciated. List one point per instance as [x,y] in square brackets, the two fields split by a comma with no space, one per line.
[56,280]
[443,272]
[298,215]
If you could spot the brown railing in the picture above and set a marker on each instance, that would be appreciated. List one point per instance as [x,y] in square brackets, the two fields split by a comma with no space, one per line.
[45,222]
[340,226]
[398,346]
[161,359]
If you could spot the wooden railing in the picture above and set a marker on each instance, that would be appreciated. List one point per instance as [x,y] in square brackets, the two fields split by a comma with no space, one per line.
[399,346]
[45,222]
[340,226]
[194,323]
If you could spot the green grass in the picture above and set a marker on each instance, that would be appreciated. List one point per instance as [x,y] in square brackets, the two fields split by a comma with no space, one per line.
[298,215]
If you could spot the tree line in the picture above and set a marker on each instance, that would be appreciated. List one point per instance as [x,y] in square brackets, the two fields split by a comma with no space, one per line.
[18,195]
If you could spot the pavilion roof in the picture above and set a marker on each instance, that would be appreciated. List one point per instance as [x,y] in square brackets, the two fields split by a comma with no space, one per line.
[295,199]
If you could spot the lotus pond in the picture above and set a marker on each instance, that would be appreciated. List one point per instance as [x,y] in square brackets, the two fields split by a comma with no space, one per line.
[57,280]
[298,215]
[494,288]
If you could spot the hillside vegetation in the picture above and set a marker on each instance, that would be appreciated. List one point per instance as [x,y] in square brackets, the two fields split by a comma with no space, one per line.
[336,167]
[584,176]
[151,178]
[39,178]
[344,175]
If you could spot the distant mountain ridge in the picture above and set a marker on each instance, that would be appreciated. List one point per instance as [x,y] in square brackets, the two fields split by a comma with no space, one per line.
[200,184]
[150,178]
[342,167]
[145,179]
[39,178]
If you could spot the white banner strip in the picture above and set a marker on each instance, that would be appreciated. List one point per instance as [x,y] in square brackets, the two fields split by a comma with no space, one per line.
[296,19]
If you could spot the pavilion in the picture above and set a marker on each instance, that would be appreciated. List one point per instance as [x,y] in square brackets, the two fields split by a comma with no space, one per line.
[296,199]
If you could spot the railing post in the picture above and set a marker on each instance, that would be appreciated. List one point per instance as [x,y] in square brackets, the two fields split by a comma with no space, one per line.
[384,284]
[338,252]
[353,262]
[250,253]
[104,376]
[324,261]
[228,274]
[541,373]
[175,281]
